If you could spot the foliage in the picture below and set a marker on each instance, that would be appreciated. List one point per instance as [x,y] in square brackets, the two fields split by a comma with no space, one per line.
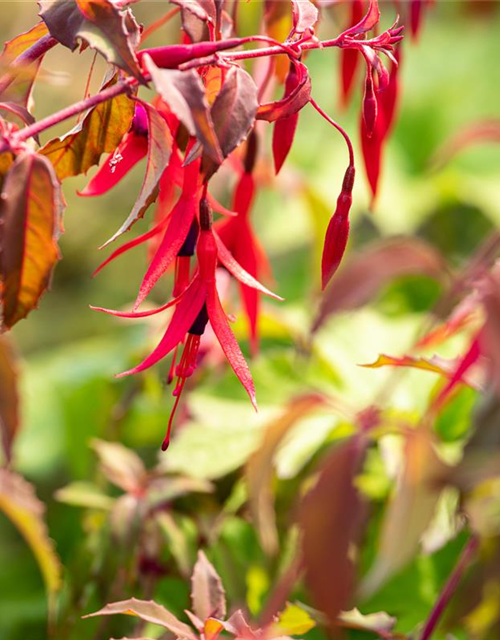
[361,500]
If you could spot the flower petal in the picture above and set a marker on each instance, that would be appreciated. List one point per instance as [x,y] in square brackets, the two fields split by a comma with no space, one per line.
[238,272]
[228,342]
[131,149]
[144,314]
[184,316]
[133,243]
[176,232]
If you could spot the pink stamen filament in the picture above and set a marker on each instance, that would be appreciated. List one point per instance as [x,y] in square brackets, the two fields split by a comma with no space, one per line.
[183,371]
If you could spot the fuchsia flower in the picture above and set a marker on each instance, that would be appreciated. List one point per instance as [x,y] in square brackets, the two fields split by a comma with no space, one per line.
[238,237]
[197,305]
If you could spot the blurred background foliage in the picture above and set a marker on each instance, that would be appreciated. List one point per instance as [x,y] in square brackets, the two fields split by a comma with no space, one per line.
[122,531]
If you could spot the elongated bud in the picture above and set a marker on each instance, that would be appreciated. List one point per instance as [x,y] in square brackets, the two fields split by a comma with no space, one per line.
[369,104]
[284,128]
[206,217]
[337,232]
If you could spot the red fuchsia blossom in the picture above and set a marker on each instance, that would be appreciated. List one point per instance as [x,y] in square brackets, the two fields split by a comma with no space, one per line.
[197,305]
[285,127]
[373,142]
[239,239]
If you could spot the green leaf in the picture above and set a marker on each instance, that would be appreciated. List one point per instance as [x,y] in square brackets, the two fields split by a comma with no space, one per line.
[20,504]
[84,494]
[99,132]
[30,213]
[100,24]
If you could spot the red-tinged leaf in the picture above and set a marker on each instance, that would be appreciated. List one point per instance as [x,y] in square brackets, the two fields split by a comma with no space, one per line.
[350,58]
[304,15]
[371,18]
[278,23]
[380,263]
[337,232]
[120,465]
[16,81]
[410,511]
[18,110]
[330,517]
[9,397]
[207,593]
[179,223]
[184,92]
[293,103]
[227,341]
[233,113]
[284,128]
[185,314]
[436,364]
[30,211]
[195,17]
[476,133]
[99,132]
[100,24]
[238,272]
[150,612]
[159,150]
[260,467]
[20,504]
[470,358]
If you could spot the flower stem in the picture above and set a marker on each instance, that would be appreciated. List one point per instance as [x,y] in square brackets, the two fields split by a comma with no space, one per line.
[339,129]
[449,588]
[125,86]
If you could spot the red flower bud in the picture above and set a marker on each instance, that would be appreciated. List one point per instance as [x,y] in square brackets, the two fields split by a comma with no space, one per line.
[337,232]
[369,104]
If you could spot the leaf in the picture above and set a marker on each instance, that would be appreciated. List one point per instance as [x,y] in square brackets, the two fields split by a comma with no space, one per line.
[159,151]
[410,511]
[371,18]
[305,15]
[293,621]
[20,504]
[120,465]
[99,132]
[195,14]
[259,469]
[100,24]
[207,593]
[364,275]
[184,93]
[376,622]
[233,113]
[9,397]
[330,518]
[292,103]
[30,214]
[436,364]
[84,494]
[18,110]
[150,612]
[17,83]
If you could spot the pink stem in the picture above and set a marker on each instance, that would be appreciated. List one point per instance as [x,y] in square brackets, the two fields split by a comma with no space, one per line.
[449,588]
[127,85]
[339,129]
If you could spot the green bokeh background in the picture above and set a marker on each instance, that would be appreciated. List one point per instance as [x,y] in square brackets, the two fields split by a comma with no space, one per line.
[450,78]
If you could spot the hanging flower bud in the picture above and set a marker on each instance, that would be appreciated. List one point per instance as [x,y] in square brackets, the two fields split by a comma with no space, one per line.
[369,104]
[337,232]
